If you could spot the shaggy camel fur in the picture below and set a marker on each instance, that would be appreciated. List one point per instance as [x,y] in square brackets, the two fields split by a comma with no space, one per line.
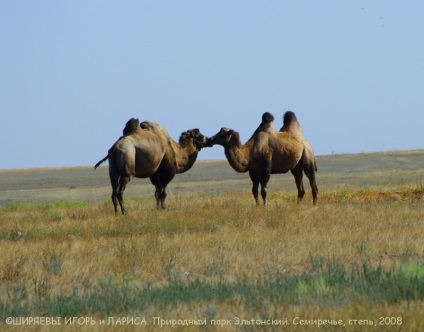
[147,151]
[267,151]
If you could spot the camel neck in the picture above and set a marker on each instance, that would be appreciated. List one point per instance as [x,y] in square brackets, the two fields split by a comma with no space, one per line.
[185,156]
[237,154]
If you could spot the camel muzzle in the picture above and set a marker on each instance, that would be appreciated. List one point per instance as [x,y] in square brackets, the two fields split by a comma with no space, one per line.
[208,142]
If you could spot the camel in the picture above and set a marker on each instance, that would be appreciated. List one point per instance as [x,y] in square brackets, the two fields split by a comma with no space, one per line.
[307,164]
[147,151]
[269,152]
[237,154]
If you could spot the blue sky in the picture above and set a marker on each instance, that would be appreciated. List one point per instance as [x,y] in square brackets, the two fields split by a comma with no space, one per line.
[73,72]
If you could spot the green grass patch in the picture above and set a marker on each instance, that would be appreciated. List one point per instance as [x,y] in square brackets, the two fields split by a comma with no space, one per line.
[16,206]
[330,283]
[23,206]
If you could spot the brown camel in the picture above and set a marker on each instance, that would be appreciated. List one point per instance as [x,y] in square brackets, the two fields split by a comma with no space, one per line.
[267,152]
[307,163]
[147,151]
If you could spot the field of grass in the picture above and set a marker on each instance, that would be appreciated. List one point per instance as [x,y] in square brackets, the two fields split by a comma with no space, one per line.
[213,256]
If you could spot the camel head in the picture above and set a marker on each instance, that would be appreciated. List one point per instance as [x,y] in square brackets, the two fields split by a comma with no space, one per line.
[223,137]
[195,136]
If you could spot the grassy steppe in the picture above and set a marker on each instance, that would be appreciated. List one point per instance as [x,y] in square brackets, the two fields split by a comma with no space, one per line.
[357,255]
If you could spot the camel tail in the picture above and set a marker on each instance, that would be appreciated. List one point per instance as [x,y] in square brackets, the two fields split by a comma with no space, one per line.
[101,161]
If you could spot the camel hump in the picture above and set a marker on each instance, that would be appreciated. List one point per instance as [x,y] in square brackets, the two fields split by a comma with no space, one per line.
[146,125]
[131,126]
[153,126]
[290,123]
[267,117]
[265,126]
[288,118]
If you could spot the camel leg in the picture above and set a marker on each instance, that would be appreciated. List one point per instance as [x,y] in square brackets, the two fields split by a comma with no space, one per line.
[298,175]
[157,197]
[117,197]
[310,173]
[265,176]
[160,180]
[123,181]
[155,180]
[160,195]
[115,201]
[114,181]
[255,185]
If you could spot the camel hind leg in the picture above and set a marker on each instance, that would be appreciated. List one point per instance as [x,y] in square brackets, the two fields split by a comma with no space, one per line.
[310,173]
[114,181]
[118,187]
[298,177]
[118,194]
[123,181]
[115,201]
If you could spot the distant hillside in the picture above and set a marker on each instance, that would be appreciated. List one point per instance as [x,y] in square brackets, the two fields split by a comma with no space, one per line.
[83,183]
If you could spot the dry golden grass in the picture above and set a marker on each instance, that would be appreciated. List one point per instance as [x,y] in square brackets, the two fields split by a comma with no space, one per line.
[206,237]
[61,238]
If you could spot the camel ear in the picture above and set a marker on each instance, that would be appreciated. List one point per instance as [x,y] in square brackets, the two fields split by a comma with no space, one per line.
[196,131]
[230,132]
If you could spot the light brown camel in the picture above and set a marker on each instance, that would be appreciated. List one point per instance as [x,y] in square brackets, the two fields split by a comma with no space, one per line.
[307,163]
[267,151]
[147,151]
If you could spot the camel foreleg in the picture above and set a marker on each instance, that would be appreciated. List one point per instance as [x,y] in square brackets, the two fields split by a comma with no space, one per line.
[264,178]
[160,195]
[255,185]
